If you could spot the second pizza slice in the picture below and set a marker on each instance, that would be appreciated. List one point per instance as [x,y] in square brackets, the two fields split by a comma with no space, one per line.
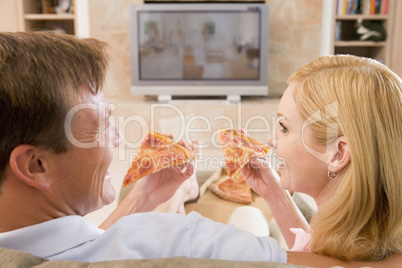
[239,149]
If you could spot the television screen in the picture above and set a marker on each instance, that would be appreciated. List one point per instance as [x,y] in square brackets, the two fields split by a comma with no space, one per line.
[199,45]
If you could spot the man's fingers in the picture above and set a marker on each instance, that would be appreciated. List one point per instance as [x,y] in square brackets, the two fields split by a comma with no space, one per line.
[242,130]
[195,146]
[182,168]
[192,147]
[186,168]
[170,135]
[182,143]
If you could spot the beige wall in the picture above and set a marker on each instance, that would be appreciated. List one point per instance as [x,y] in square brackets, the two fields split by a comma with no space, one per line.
[8,16]
[294,39]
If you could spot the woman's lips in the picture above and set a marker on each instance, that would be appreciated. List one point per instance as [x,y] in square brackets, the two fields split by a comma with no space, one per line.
[281,163]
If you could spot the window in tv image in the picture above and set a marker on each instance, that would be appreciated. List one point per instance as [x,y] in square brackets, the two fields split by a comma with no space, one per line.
[199,45]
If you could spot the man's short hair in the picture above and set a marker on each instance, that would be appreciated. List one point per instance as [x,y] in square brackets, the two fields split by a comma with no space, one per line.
[41,74]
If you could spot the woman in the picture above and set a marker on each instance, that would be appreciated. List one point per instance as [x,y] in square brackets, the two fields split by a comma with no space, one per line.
[341,156]
[339,140]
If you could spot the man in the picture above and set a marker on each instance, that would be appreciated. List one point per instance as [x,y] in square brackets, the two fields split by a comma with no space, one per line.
[56,146]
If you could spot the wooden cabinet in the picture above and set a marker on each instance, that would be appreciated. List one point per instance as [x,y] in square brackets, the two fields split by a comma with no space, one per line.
[34,16]
[344,29]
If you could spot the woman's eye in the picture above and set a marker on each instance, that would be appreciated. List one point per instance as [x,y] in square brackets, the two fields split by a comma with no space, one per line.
[283,128]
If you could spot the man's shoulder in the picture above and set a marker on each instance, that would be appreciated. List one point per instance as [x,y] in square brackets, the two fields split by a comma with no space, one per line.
[51,237]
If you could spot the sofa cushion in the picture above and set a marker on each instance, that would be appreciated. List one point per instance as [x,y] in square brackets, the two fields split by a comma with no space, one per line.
[15,258]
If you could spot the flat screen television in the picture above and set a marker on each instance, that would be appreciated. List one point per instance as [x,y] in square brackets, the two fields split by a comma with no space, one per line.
[199,50]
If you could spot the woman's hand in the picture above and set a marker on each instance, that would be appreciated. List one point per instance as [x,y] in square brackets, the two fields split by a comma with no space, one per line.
[261,177]
[265,181]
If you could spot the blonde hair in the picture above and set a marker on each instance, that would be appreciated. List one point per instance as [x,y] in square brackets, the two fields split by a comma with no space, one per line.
[363,220]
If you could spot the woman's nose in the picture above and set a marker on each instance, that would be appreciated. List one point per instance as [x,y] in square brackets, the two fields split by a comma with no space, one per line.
[271,141]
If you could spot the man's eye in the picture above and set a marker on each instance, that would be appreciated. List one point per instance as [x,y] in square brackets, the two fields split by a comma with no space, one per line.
[284,129]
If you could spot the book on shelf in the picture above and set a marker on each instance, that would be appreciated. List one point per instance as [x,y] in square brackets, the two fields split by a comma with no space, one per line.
[364,7]
[55,6]
[384,7]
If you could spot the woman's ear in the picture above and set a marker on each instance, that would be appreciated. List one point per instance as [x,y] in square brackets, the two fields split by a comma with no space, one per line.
[28,164]
[340,155]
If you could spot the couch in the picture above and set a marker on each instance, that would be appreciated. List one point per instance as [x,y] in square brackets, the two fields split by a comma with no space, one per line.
[19,259]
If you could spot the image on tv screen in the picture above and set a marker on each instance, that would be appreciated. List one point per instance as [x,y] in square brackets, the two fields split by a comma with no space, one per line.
[204,45]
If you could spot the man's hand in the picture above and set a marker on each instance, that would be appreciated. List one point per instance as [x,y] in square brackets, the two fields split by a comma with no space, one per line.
[153,190]
[159,187]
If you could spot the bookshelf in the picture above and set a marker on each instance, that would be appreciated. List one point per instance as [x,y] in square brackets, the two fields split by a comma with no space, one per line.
[36,15]
[348,14]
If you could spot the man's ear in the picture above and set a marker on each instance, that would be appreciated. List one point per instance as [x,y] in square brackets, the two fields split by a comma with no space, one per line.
[29,164]
[339,155]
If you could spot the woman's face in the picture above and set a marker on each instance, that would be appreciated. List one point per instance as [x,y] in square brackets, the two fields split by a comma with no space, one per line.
[301,171]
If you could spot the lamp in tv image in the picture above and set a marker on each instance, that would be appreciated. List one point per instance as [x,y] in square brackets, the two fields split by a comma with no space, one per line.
[200,45]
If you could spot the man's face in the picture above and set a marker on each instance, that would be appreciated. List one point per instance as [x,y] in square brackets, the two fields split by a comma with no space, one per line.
[81,181]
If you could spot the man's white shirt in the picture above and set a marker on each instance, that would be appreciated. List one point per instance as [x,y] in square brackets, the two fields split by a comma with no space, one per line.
[142,236]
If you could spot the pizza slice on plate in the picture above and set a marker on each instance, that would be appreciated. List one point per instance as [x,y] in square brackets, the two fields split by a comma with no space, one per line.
[155,153]
[239,149]
[233,189]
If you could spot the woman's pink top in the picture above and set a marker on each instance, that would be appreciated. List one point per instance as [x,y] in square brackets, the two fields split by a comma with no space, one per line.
[301,241]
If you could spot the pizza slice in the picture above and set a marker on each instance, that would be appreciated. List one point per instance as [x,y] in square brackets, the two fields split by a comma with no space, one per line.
[239,149]
[233,189]
[155,153]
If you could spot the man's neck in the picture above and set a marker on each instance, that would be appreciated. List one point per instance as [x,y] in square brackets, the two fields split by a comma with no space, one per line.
[22,206]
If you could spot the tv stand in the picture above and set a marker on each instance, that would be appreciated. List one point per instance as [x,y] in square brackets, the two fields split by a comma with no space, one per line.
[233,98]
[168,98]
[164,98]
